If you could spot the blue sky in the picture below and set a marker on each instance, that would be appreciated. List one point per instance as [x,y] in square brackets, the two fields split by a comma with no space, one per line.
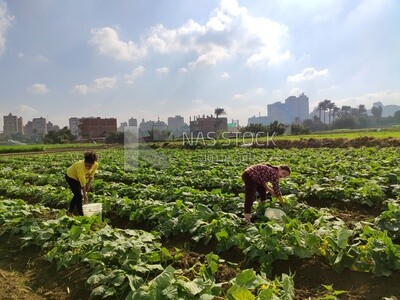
[158,58]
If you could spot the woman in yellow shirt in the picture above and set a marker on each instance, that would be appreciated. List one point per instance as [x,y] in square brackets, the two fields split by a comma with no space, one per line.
[79,177]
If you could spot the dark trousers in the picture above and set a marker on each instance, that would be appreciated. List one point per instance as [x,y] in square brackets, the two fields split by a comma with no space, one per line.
[251,187]
[76,201]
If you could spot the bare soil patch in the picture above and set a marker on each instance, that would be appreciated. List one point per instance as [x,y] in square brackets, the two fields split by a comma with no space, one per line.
[26,274]
[311,273]
[349,212]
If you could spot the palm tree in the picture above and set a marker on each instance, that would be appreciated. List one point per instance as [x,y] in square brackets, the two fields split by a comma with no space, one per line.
[362,110]
[218,112]
[335,112]
[376,111]
[330,106]
[346,110]
[321,108]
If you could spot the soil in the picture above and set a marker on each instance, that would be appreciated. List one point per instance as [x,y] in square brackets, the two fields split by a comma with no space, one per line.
[349,212]
[312,273]
[26,274]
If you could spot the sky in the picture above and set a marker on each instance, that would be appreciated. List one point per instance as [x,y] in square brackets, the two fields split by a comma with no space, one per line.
[151,59]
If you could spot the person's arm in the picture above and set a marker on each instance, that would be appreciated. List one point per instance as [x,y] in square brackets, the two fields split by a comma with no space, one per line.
[82,180]
[277,191]
[268,189]
[91,176]
[88,184]
[85,196]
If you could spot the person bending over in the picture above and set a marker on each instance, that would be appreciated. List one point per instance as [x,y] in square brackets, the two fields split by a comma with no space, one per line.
[79,177]
[256,179]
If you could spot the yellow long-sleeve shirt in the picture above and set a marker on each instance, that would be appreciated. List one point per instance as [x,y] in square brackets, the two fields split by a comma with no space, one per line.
[78,172]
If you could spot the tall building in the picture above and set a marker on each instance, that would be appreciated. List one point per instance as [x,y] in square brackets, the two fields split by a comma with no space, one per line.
[298,107]
[36,127]
[12,124]
[74,126]
[132,122]
[52,127]
[263,120]
[175,122]
[177,126]
[96,127]
[278,111]
[153,130]
[294,108]
[145,128]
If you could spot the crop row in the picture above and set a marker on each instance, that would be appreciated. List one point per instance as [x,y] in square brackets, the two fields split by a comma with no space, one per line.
[131,263]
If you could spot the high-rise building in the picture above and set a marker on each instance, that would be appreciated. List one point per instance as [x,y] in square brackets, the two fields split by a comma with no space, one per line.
[36,127]
[177,126]
[175,122]
[52,127]
[132,122]
[294,108]
[12,124]
[263,120]
[298,107]
[74,126]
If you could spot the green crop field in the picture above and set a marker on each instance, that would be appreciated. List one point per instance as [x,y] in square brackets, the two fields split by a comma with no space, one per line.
[393,132]
[173,227]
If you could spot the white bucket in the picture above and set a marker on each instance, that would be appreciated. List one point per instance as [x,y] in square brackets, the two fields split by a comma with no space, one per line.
[274,214]
[92,209]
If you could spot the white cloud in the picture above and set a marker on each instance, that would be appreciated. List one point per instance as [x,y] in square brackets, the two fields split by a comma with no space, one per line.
[21,55]
[182,70]
[308,74]
[98,85]
[295,92]
[251,96]
[108,43]
[225,75]
[238,97]
[260,91]
[38,89]
[230,31]
[6,21]
[82,89]
[42,59]
[163,70]
[136,73]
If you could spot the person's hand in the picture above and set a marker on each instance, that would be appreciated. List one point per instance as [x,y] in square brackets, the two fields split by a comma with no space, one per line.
[273,193]
[281,201]
[247,217]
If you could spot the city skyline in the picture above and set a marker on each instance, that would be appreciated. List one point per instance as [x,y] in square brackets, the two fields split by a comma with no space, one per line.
[155,59]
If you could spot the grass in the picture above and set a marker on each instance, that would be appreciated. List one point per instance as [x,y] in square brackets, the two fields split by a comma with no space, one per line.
[21,148]
[43,147]
[393,132]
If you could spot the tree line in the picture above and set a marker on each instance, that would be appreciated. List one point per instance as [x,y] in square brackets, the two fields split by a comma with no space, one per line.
[330,116]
